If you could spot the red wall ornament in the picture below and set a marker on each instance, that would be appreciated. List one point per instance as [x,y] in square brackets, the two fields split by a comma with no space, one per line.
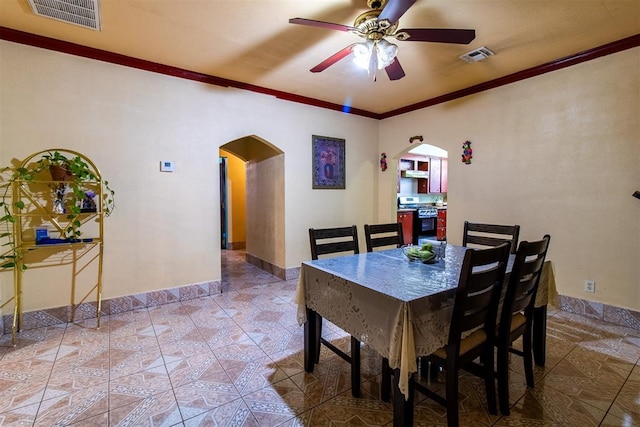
[467,153]
[383,161]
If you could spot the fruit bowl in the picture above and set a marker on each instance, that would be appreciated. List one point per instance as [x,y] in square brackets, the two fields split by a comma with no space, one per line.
[418,253]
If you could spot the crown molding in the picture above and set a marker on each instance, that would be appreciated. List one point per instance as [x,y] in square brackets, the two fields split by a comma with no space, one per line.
[35,40]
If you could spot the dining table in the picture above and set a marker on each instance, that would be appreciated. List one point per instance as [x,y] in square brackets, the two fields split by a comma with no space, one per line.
[401,308]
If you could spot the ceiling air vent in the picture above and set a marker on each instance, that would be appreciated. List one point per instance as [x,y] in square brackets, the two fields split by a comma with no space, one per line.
[476,55]
[84,13]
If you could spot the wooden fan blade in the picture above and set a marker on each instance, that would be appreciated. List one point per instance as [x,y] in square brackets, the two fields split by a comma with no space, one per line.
[333,59]
[394,70]
[321,24]
[395,9]
[439,35]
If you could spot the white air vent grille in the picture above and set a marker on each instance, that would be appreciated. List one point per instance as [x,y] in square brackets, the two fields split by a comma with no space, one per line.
[78,12]
[477,55]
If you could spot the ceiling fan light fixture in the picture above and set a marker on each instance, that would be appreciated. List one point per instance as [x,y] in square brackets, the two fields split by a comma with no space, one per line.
[386,53]
[374,55]
[362,54]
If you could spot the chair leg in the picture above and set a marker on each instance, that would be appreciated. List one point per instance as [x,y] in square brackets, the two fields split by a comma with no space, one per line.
[385,381]
[355,367]
[528,356]
[489,380]
[318,325]
[503,378]
[452,396]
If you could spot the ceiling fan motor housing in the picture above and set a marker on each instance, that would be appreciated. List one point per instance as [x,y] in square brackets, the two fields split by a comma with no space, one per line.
[370,28]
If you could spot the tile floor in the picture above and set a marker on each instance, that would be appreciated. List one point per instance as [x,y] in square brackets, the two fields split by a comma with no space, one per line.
[236,359]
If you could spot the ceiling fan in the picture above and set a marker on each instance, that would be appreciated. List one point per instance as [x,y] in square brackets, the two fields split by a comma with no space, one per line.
[376,24]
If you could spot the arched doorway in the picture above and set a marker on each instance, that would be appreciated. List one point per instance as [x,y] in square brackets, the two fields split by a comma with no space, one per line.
[422,191]
[264,216]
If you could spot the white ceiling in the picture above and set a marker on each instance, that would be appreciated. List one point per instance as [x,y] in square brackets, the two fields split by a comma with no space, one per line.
[252,42]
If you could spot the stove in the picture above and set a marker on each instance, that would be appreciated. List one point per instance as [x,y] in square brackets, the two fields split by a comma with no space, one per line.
[422,210]
[424,220]
[427,212]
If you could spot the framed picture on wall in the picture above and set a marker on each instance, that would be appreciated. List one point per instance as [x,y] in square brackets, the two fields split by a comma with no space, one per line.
[328,162]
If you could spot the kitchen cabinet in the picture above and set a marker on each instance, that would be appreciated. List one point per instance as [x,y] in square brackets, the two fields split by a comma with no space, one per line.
[406,219]
[444,171]
[434,175]
[416,170]
[441,230]
[423,183]
[438,175]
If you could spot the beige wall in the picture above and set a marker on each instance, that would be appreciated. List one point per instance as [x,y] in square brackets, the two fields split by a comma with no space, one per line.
[165,230]
[236,198]
[557,154]
[265,210]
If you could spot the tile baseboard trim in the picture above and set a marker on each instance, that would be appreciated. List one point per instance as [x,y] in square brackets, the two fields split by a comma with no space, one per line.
[236,245]
[59,315]
[279,272]
[600,311]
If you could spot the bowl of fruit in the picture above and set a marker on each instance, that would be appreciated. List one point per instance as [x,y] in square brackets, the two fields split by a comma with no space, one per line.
[422,253]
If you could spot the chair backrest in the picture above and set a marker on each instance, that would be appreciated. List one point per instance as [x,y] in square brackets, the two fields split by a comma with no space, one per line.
[326,241]
[523,280]
[478,293]
[379,235]
[490,235]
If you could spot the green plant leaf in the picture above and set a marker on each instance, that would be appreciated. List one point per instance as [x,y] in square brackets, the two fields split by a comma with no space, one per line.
[9,218]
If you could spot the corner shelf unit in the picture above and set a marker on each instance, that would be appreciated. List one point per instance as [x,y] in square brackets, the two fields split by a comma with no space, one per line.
[38,196]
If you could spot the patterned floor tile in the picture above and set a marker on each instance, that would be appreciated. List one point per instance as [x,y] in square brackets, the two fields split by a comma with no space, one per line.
[593,378]
[205,394]
[198,367]
[235,413]
[627,403]
[472,404]
[155,410]
[545,405]
[237,358]
[346,410]
[18,389]
[252,375]
[291,361]
[73,407]
[277,403]
[223,334]
[328,380]
[20,416]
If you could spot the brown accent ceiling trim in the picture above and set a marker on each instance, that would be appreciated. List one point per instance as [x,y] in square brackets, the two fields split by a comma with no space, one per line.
[587,55]
[128,61]
[115,58]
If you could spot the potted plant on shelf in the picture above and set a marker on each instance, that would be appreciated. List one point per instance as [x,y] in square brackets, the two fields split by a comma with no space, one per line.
[73,182]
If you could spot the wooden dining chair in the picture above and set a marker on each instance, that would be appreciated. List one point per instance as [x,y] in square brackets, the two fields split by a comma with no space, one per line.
[474,313]
[383,235]
[490,235]
[332,241]
[516,318]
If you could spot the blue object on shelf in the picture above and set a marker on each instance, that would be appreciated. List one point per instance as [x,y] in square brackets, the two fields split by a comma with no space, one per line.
[50,241]
[42,233]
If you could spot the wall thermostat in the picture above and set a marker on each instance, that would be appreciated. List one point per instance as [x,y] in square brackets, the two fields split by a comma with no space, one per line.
[166,166]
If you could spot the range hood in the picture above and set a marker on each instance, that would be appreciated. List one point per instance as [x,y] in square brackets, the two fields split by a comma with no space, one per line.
[415,174]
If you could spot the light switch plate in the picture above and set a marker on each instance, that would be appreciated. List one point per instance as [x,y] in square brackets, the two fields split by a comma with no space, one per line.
[166,166]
